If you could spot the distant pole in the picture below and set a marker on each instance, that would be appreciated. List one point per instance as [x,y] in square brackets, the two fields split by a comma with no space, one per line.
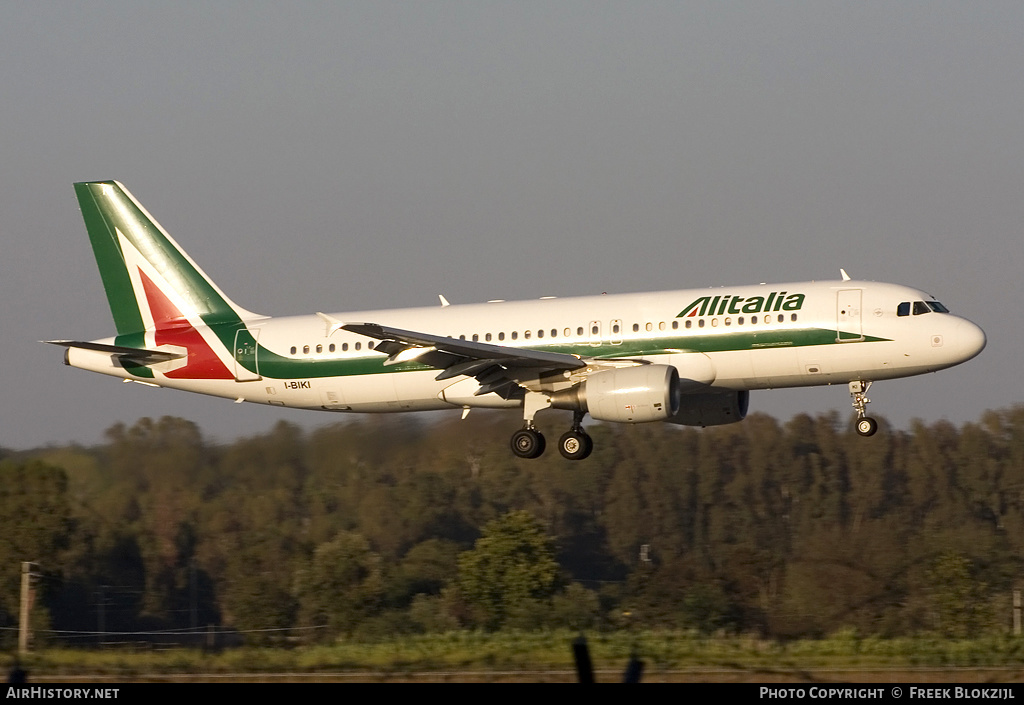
[193,598]
[1016,612]
[26,607]
[101,614]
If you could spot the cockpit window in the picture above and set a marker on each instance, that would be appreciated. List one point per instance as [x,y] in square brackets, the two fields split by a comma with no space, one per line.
[920,307]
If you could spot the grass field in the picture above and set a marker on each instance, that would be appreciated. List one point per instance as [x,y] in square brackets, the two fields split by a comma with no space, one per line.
[548,657]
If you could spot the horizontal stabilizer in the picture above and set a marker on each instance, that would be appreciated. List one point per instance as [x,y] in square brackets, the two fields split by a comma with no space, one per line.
[140,356]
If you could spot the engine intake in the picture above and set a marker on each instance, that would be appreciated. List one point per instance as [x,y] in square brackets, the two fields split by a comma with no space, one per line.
[712,409]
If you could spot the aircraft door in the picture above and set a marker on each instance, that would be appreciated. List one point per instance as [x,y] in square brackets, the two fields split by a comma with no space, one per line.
[848,315]
[246,365]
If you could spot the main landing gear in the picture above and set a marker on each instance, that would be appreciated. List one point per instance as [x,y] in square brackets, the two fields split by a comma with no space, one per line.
[866,426]
[575,444]
[528,443]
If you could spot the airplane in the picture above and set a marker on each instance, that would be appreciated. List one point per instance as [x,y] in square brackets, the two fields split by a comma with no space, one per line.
[687,357]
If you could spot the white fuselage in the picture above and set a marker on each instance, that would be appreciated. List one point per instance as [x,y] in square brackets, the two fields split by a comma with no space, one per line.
[735,338]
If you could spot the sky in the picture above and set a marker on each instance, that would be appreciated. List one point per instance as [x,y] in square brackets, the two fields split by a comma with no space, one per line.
[339,156]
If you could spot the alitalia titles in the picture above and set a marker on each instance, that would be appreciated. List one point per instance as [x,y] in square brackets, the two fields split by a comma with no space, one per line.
[721,305]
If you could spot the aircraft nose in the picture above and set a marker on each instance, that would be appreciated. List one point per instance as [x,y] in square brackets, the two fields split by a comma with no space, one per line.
[970,339]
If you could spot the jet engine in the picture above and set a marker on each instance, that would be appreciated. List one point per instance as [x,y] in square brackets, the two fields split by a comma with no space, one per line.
[711,409]
[626,394]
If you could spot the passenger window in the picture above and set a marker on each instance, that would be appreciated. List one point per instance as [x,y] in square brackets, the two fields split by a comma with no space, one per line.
[319,348]
[567,332]
[358,346]
[739,321]
[370,345]
[330,348]
[728,321]
[753,320]
[636,327]
[540,333]
[714,322]
[792,317]
[661,326]
[501,335]
[903,309]
[782,318]
[689,323]
[515,335]
[476,338]
[526,334]
[294,350]
[487,337]
[700,323]
[344,347]
[675,325]
[305,349]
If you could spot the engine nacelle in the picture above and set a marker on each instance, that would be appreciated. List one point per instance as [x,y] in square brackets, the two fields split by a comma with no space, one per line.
[712,409]
[626,394]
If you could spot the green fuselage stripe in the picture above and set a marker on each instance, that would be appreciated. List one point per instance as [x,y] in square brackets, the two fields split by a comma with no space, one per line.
[275,366]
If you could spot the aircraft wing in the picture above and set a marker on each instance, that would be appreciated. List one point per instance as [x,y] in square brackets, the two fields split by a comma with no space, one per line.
[139,356]
[496,367]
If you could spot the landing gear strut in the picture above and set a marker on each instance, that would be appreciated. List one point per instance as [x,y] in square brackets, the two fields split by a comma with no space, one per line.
[528,442]
[866,426]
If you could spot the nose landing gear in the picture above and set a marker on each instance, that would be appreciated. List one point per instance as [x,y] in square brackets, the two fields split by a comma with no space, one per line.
[866,426]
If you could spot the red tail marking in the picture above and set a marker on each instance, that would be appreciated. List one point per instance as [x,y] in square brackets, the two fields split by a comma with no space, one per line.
[172,328]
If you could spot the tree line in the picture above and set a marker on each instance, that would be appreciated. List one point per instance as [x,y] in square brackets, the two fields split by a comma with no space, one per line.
[389,525]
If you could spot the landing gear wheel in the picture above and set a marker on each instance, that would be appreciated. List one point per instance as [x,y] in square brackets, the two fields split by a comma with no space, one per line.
[866,426]
[575,445]
[528,443]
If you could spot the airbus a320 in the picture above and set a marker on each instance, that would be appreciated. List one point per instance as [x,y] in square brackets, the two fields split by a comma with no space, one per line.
[689,356]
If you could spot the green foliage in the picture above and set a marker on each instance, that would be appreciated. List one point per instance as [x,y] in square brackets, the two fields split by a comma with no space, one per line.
[340,585]
[574,608]
[550,650]
[386,526]
[510,570]
[35,526]
[958,597]
[425,570]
